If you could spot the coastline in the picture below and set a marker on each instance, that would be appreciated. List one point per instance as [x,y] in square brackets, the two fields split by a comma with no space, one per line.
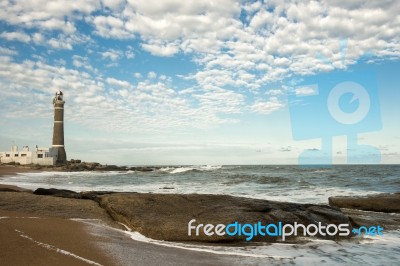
[58,230]
[102,233]
[29,239]
[38,237]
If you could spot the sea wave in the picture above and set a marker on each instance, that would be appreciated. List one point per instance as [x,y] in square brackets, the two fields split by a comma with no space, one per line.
[184,169]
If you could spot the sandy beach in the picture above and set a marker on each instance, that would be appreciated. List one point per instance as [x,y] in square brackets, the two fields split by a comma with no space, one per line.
[38,240]
[38,230]
[29,237]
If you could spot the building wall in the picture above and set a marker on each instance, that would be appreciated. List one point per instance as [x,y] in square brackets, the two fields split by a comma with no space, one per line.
[41,156]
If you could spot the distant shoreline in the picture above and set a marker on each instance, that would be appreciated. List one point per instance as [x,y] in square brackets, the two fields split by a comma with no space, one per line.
[6,169]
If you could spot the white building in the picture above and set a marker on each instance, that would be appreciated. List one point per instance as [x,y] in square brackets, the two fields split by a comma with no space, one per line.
[42,156]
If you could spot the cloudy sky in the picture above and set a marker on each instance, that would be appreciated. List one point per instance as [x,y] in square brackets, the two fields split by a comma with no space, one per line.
[201,82]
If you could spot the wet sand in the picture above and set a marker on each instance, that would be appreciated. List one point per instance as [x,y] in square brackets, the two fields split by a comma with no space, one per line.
[10,170]
[49,238]
[38,230]
[31,240]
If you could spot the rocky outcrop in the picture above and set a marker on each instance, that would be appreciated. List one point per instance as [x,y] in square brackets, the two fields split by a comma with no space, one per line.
[373,210]
[63,193]
[166,216]
[389,221]
[376,203]
[79,166]
[50,206]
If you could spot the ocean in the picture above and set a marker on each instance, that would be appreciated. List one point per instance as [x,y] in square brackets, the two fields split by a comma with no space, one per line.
[289,183]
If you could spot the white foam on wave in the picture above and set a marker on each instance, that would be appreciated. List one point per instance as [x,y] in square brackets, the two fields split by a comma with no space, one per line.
[209,249]
[182,170]
[173,170]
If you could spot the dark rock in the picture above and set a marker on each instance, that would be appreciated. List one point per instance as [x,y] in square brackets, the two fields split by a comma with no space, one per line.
[78,166]
[142,169]
[389,221]
[109,168]
[377,203]
[63,193]
[166,216]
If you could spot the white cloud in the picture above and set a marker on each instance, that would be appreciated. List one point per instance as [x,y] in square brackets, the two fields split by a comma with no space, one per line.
[112,54]
[60,62]
[273,104]
[109,103]
[56,24]
[113,4]
[38,38]
[83,62]
[172,19]
[274,92]
[273,45]
[152,75]
[307,91]
[45,15]
[129,53]
[16,36]
[60,41]
[159,49]
[7,51]
[59,44]
[231,55]
[119,83]
[111,27]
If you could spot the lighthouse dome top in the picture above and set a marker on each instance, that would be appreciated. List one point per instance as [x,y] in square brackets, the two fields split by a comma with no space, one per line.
[58,97]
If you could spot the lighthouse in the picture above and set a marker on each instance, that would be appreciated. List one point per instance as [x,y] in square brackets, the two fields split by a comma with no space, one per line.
[58,129]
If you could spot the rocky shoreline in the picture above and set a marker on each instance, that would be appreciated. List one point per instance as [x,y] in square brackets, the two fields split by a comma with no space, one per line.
[79,166]
[166,216]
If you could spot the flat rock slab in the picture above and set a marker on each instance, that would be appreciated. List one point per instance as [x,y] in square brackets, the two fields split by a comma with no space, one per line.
[376,203]
[51,206]
[389,221]
[166,216]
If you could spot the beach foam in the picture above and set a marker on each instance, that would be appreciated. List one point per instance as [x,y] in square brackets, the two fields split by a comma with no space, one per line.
[360,250]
